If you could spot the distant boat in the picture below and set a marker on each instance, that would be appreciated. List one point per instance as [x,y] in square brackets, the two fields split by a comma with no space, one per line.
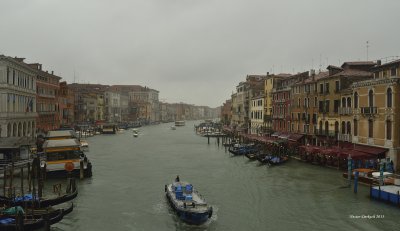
[190,206]
[180,123]
[84,145]
[173,128]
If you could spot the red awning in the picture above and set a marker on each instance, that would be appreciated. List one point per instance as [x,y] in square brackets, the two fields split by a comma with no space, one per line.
[329,152]
[375,151]
[355,154]
[295,137]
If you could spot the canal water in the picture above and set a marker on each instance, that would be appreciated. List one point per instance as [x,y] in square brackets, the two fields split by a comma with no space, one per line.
[129,174]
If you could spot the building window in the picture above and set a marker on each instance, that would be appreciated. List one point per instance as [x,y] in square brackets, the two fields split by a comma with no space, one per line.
[326,105]
[370,128]
[355,128]
[315,101]
[343,102]
[388,130]
[389,97]
[343,127]
[348,102]
[326,87]
[326,128]
[321,88]
[348,127]
[355,100]
[336,127]
[370,98]
[336,104]
[393,72]
[320,126]
[337,86]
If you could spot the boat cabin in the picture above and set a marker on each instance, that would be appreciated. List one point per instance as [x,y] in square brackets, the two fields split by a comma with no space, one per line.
[60,135]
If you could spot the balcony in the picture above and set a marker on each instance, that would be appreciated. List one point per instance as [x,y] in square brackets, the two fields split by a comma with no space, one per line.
[279,100]
[267,118]
[279,116]
[345,111]
[323,132]
[345,137]
[369,110]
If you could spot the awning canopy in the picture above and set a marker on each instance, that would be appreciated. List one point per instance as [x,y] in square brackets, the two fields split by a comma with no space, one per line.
[295,137]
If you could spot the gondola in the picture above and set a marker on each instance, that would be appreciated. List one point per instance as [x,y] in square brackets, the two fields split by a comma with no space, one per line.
[27,200]
[277,160]
[30,222]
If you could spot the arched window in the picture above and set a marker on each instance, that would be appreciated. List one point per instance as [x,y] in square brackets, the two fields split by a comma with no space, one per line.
[355,127]
[343,127]
[29,128]
[24,129]
[348,102]
[19,129]
[343,102]
[326,128]
[355,100]
[33,129]
[14,130]
[320,126]
[370,128]
[388,130]
[9,130]
[389,98]
[348,127]
[336,127]
[370,98]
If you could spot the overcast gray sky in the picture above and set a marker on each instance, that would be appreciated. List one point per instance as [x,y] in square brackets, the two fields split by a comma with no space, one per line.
[194,51]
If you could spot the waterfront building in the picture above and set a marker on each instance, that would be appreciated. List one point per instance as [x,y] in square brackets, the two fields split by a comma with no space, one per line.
[112,107]
[47,107]
[333,92]
[147,101]
[88,102]
[66,105]
[226,112]
[376,116]
[257,113]
[269,83]
[304,107]
[241,101]
[281,102]
[17,109]
[124,104]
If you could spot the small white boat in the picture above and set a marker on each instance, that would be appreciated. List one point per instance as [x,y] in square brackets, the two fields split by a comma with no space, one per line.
[84,145]
[173,128]
[135,130]
[135,135]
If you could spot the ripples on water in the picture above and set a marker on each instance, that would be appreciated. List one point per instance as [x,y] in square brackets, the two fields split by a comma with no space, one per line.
[127,188]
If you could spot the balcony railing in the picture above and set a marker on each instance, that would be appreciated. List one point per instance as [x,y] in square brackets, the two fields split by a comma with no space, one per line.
[279,116]
[323,132]
[369,110]
[345,137]
[345,111]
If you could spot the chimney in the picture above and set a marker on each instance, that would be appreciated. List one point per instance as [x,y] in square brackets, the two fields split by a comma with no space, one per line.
[52,72]
[378,62]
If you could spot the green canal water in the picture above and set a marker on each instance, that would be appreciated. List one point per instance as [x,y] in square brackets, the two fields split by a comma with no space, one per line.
[129,174]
